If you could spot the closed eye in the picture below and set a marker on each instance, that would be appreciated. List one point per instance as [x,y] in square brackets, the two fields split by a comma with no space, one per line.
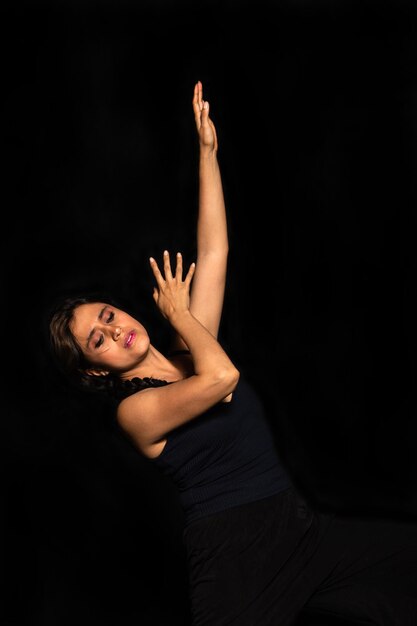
[110,318]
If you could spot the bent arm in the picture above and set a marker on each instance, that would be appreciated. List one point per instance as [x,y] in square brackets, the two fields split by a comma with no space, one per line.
[147,416]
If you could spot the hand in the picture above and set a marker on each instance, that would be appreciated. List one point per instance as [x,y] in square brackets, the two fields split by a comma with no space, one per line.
[205,127]
[172,294]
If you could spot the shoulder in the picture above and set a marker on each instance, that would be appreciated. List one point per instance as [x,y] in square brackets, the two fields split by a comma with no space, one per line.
[132,402]
[132,414]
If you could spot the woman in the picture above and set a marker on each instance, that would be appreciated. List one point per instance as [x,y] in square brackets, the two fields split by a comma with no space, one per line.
[257,554]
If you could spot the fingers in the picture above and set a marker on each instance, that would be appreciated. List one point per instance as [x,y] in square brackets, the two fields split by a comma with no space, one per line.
[200,106]
[197,103]
[190,275]
[178,271]
[156,272]
[205,114]
[198,96]
[203,105]
[167,266]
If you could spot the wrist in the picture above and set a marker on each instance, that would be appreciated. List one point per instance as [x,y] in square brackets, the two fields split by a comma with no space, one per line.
[208,152]
[177,318]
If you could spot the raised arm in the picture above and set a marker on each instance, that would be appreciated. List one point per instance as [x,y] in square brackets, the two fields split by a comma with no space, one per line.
[207,292]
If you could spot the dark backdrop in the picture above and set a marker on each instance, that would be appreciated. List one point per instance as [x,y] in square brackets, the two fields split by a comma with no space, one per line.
[315,108]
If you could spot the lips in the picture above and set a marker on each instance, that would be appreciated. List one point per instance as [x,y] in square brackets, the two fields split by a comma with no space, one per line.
[130,339]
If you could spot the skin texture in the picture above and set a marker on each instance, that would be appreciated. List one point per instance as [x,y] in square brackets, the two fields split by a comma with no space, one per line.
[102,332]
[208,287]
[191,301]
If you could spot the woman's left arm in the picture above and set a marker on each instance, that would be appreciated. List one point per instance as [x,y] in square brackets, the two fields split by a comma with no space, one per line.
[207,293]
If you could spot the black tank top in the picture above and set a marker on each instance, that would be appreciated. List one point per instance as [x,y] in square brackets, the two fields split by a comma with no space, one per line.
[224,457]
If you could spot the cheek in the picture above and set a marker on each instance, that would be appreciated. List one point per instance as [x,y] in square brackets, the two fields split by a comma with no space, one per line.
[141,329]
[141,344]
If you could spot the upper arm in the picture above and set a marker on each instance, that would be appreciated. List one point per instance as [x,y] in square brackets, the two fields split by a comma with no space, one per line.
[148,415]
[207,293]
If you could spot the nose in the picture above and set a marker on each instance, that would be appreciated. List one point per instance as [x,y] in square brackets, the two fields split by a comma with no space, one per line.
[117,332]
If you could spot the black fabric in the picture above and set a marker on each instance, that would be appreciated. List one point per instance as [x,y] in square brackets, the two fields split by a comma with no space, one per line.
[266,563]
[224,458]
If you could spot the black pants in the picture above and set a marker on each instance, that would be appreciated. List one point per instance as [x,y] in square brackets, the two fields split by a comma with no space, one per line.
[262,563]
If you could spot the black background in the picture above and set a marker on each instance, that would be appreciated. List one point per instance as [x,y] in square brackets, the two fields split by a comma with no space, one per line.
[315,109]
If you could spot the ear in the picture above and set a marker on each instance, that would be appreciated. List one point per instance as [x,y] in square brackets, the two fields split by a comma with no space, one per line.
[94,372]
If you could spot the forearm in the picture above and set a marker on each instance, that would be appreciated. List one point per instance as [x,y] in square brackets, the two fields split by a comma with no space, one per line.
[209,358]
[211,224]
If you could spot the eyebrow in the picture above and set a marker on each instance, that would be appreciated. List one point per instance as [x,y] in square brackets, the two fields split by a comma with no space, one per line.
[100,315]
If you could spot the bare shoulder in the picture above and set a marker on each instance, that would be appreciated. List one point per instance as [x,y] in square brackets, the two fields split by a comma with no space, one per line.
[147,416]
[129,412]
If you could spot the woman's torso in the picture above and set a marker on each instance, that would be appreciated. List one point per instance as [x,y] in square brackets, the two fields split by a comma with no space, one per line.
[153,450]
[223,457]
[184,368]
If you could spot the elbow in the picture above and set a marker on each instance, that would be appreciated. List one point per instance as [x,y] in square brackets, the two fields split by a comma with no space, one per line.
[229,378]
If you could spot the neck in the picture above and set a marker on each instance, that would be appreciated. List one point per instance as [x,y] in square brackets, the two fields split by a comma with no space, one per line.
[153,365]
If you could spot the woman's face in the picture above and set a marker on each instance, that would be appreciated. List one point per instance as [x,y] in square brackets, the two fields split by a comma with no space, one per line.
[110,339]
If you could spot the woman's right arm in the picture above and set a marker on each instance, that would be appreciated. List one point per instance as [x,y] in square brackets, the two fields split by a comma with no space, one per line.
[150,414]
